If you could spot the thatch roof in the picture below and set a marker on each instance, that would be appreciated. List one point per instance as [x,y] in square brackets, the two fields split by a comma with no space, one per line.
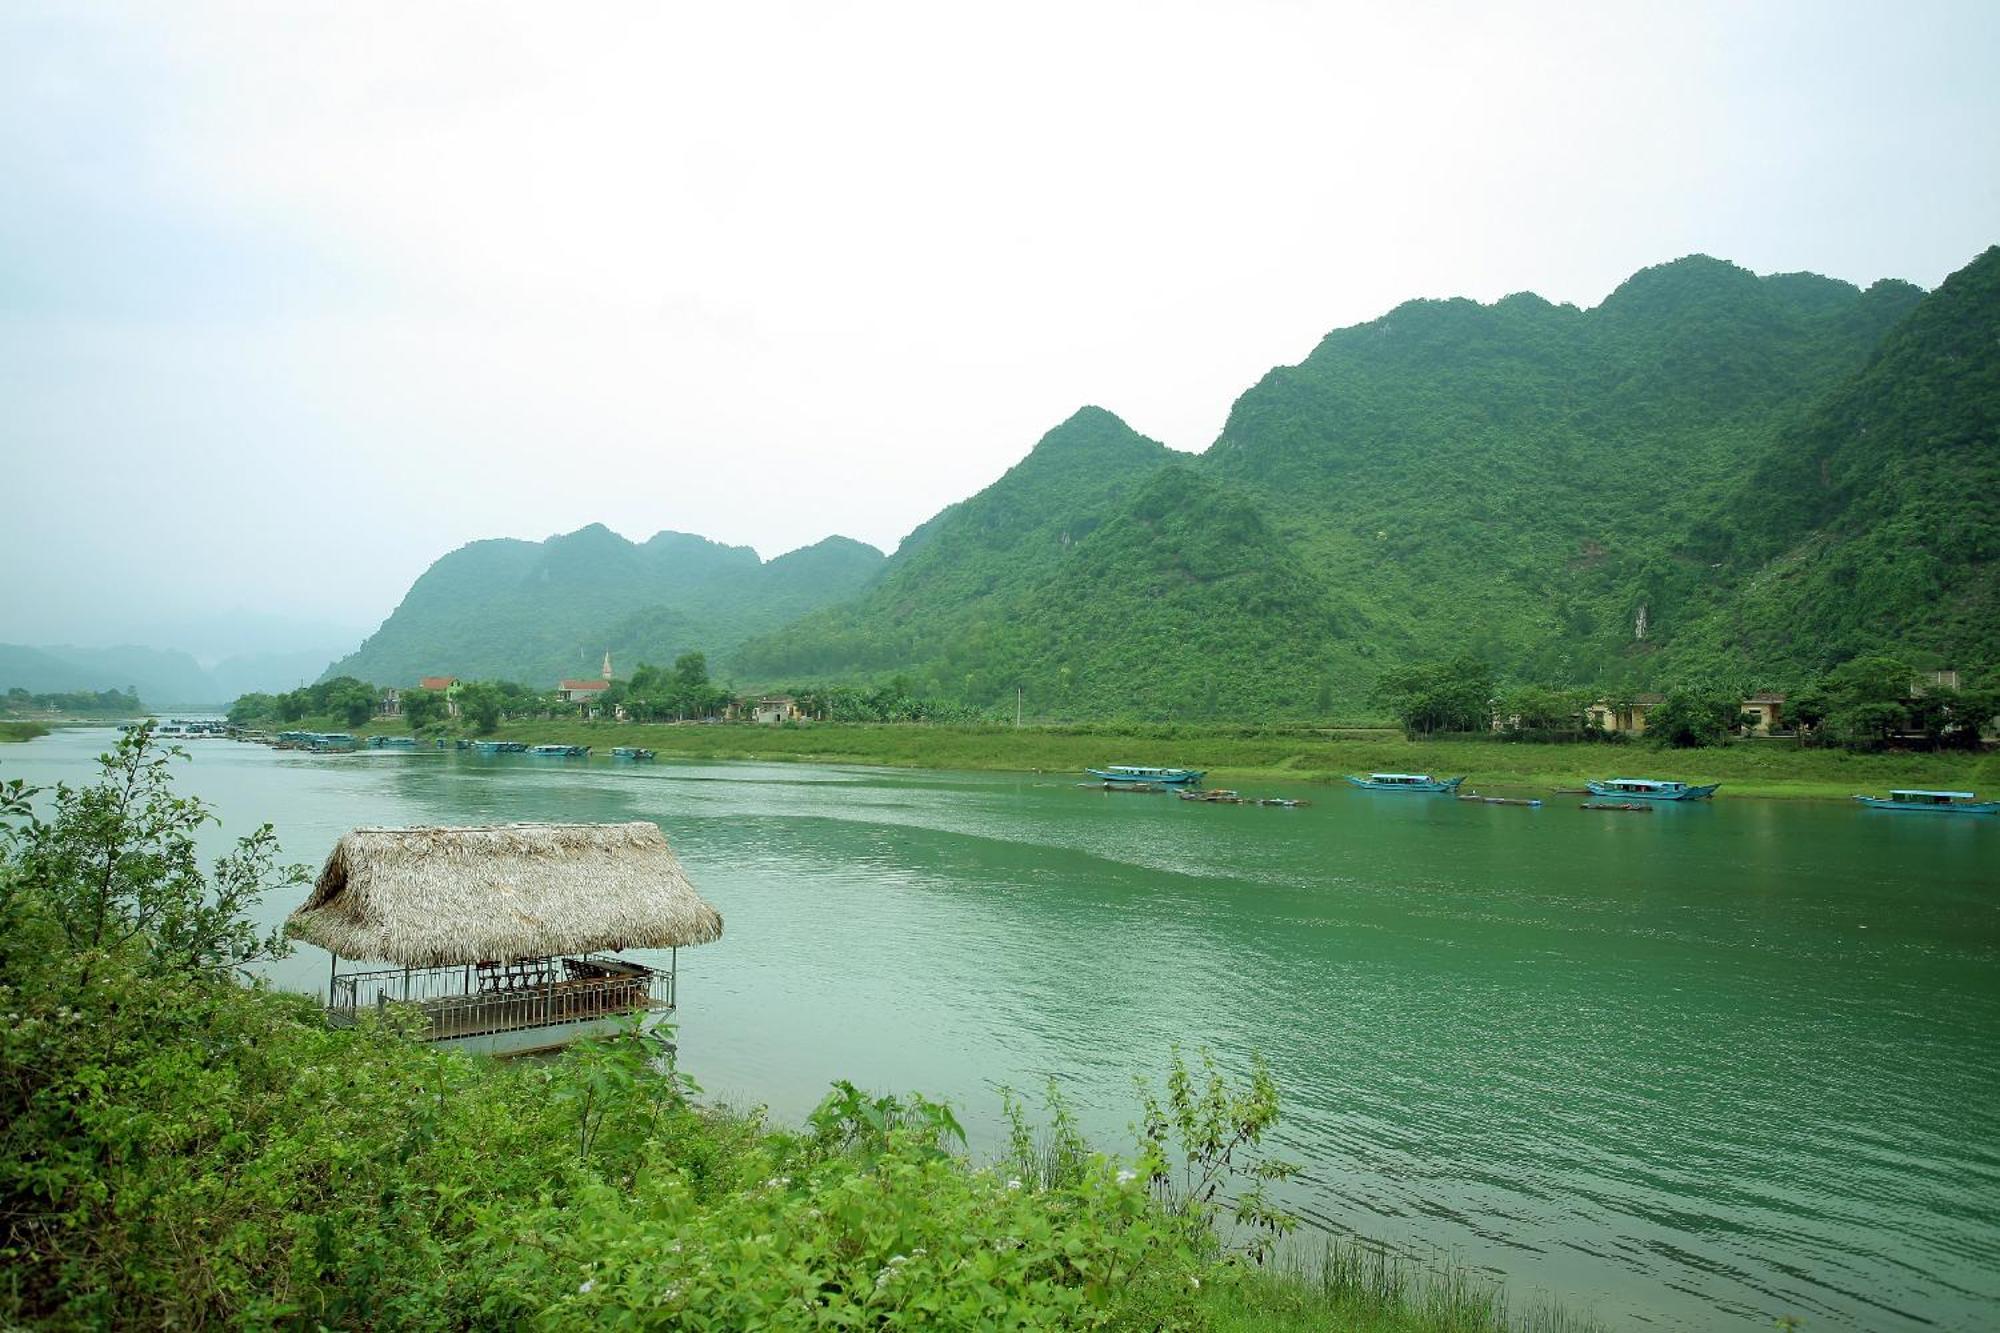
[434,897]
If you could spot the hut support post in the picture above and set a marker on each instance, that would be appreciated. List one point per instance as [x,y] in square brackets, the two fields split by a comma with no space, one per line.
[332,971]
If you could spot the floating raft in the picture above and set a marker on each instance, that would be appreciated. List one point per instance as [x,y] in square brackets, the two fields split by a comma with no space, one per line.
[1499,800]
[1626,806]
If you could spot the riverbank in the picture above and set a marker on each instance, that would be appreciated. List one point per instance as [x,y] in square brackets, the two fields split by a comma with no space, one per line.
[1243,757]
[177,1149]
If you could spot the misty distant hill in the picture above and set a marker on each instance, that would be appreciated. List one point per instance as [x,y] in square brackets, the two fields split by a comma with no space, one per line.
[538,611]
[162,679]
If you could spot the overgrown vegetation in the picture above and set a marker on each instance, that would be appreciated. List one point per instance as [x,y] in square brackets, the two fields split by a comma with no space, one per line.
[179,1150]
[75,703]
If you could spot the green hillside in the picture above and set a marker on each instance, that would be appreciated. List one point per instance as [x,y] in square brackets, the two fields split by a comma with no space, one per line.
[1579,496]
[956,585]
[537,611]
[1712,473]
[1875,524]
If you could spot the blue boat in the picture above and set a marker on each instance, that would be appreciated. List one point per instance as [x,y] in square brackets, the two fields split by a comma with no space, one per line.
[560,751]
[1405,782]
[392,742]
[1165,777]
[1935,802]
[630,752]
[1650,789]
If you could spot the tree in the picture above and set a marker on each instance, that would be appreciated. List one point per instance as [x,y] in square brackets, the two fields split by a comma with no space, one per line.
[115,866]
[479,703]
[1868,700]
[423,708]
[1439,696]
[1691,716]
[1534,710]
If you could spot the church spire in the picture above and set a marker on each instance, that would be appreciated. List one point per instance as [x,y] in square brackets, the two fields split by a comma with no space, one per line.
[607,665]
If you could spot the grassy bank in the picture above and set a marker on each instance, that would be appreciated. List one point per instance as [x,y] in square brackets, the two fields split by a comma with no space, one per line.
[1237,756]
[22,731]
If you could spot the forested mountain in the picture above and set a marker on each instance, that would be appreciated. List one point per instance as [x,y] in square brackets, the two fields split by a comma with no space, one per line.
[538,611]
[1874,525]
[1711,473]
[1580,496]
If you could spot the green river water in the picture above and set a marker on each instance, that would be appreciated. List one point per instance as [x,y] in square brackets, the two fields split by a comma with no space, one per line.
[1685,1070]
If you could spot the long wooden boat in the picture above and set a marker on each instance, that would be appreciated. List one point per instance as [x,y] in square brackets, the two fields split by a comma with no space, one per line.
[560,751]
[1423,782]
[1650,789]
[1933,802]
[630,752]
[1220,796]
[1170,777]
[1625,806]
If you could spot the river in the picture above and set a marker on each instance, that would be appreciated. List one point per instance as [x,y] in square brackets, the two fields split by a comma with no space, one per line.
[1691,1069]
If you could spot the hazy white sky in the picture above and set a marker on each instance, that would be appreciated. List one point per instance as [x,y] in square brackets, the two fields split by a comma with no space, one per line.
[294,298]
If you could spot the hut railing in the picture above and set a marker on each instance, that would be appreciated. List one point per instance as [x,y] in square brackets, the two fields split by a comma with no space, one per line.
[483,998]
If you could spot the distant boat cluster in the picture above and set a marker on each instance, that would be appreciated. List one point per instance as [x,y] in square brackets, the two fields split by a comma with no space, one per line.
[1630,795]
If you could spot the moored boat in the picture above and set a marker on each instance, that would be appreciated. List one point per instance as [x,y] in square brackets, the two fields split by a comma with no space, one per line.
[1170,777]
[1627,806]
[1423,782]
[1934,802]
[1650,789]
[560,751]
[630,752]
[1220,796]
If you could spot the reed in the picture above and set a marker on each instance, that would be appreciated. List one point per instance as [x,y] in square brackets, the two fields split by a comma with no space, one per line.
[1365,1287]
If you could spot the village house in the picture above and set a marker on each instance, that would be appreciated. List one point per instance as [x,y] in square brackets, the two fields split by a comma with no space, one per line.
[445,685]
[389,703]
[1625,716]
[775,708]
[586,692]
[1768,712]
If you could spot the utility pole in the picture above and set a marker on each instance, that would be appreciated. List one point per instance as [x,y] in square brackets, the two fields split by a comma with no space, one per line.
[1017,707]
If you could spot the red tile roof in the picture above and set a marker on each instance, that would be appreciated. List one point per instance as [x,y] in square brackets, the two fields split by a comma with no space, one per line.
[574,685]
[437,682]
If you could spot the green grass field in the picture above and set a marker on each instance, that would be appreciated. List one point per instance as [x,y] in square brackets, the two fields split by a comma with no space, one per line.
[22,731]
[1238,756]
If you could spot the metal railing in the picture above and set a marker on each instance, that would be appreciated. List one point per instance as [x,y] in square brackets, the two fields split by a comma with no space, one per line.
[483,998]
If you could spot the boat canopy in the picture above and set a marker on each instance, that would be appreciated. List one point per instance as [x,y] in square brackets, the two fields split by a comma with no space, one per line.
[1399,777]
[1935,795]
[1647,783]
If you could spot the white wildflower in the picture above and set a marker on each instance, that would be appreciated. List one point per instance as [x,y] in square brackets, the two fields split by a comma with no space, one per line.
[1014,1183]
[1126,1177]
[584,1288]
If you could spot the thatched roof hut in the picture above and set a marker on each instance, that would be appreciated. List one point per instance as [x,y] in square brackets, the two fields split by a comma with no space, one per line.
[436,897]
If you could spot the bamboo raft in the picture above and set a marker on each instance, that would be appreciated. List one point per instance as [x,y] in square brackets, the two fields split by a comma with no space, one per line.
[1627,806]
